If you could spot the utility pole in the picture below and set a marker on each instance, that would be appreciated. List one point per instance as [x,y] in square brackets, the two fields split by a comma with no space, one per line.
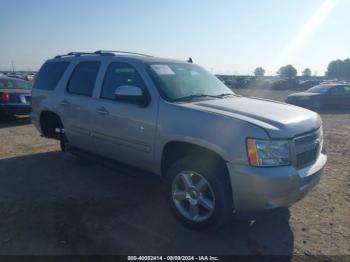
[13,66]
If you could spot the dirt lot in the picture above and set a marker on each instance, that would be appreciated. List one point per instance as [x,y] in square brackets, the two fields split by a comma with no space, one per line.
[50,204]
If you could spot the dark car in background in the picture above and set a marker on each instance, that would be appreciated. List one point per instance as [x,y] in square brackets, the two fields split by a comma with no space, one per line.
[15,96]
[17,76]
[323,96]
[308,84]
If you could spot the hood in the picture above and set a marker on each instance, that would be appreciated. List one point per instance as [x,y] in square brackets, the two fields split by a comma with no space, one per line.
[303,94]
[278,119]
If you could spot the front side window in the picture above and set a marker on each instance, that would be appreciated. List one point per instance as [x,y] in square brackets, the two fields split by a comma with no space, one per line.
[120,74]
[83,78]
[180,82]
[49,75]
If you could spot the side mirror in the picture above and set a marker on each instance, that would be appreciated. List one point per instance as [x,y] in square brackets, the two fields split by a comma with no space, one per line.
[131,94]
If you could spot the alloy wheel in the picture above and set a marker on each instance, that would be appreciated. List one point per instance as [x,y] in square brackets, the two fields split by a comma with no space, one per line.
[193,196]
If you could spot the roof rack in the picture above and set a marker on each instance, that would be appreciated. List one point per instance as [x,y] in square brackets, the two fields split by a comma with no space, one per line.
[106,52]
[102,53]
[74,54]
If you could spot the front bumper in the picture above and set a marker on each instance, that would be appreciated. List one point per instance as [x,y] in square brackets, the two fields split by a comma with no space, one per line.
[15,109]
[258,189]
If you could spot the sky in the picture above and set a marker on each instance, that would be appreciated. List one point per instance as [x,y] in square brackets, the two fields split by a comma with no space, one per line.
[224,36]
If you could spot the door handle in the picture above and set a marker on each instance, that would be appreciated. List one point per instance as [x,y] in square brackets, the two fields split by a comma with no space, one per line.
[102,111]
[64,102]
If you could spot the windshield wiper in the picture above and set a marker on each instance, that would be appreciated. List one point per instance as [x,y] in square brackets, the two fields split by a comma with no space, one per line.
[225,95]
[185,98]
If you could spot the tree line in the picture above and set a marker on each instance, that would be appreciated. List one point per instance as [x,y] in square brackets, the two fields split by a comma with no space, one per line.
[337,68]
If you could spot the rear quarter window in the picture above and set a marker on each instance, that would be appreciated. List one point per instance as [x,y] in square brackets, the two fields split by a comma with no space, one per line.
[49,75]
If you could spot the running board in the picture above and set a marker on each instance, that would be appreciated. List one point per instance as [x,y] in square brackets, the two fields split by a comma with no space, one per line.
[112,164]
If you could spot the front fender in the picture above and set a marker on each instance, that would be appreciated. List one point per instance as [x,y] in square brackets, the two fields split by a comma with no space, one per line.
[225,136]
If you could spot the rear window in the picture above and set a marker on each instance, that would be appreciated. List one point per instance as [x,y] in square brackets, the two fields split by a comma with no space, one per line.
[83,78]
[22,84]
[14,84]
[49,75]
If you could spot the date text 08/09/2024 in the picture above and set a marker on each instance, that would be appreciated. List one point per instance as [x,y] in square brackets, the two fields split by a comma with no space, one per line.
[173,258]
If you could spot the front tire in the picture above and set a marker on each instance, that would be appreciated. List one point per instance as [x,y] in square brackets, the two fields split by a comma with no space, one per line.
[64,143]
[199,192]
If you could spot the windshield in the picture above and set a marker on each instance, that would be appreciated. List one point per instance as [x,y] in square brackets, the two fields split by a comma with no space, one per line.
[321,89]
[180,81]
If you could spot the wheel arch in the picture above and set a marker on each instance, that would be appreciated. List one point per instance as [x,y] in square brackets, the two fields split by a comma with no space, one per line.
[176,149]
[50,124]
[208,158]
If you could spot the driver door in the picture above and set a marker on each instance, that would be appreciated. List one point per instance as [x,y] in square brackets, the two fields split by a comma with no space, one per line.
[336,97]
[122,130]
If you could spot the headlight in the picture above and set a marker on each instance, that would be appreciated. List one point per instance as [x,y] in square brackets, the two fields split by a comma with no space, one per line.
[265,153]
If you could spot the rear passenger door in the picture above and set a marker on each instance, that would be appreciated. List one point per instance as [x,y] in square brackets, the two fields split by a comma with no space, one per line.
[77,104]
[124,131]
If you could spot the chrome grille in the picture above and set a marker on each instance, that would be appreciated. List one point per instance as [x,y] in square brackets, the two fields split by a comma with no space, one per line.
[307,148]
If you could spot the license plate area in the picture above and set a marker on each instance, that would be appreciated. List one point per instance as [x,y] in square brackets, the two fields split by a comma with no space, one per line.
[25,99]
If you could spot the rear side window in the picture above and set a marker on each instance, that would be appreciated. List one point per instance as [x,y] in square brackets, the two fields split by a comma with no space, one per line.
[49,75]
[83,78]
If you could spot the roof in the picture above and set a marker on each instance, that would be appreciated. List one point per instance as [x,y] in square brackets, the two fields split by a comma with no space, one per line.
[117,54]
[333,84]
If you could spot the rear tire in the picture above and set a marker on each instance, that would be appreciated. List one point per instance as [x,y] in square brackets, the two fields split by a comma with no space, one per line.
[206,201]
[64,143]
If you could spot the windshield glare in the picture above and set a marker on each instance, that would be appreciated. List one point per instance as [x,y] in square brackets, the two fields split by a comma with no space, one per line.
[321,89]
[180,80]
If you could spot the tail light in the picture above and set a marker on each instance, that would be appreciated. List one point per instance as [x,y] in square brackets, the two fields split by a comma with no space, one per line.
[4,97]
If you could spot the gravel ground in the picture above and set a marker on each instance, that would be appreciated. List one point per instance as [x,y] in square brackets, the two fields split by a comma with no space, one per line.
[51,204]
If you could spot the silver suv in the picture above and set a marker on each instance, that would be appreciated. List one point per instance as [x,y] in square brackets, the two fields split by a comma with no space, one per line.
[218,152]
